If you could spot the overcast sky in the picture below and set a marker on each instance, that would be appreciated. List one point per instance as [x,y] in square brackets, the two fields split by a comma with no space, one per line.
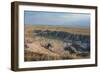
[57,18]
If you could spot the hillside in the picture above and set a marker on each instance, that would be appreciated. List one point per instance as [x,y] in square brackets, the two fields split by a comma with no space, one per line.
[56,43]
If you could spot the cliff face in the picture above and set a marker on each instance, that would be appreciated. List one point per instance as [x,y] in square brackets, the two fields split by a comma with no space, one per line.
[79,42]
[41,44]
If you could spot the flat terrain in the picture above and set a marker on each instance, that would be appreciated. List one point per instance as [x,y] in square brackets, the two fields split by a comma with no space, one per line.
[48,46]
[83,31]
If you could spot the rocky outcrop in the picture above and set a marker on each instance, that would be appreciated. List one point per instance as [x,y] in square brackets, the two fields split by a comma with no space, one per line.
[79,43]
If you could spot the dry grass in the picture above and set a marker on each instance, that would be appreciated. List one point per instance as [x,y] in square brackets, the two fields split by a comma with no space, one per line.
[82,31]
[35,52]
[36,56]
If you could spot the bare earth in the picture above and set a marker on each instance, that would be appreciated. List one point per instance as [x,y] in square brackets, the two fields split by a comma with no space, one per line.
[34,45]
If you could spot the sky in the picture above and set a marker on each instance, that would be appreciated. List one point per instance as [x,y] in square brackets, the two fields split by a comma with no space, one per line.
[67,19]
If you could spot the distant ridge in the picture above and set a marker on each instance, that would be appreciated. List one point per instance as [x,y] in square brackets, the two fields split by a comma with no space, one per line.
[87,27]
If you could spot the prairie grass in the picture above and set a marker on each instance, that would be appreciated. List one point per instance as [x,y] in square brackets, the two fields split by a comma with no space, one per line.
[34,51]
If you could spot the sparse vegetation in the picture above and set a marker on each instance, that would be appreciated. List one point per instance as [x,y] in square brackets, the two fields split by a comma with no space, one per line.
[56,43]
